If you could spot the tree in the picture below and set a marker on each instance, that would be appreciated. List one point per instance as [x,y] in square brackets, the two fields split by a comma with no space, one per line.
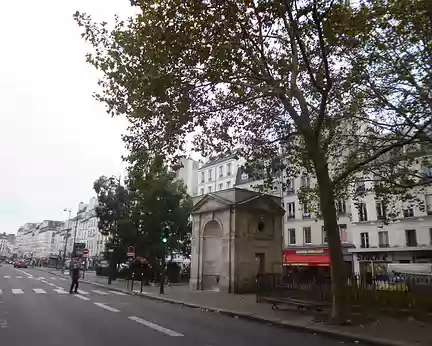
[112,211]
[161,210]
[270,76]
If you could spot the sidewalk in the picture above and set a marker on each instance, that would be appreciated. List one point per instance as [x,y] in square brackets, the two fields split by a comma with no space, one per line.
[384,331]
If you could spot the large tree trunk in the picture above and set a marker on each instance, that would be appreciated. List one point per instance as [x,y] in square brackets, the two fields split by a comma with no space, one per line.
[338,267]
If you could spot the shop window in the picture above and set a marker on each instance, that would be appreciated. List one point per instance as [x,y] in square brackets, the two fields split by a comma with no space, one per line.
[362,212]
[411,237]
[408,212]
[291,210]
[291,236]
[364,239]
[307,234]
[383,239]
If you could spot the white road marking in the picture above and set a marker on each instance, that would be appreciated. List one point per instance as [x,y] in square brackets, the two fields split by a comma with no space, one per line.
[41,277]
[155,326]
[7,277]
[101,292]
[81,297]
[22,271]
[60,291]
[49,283]
[82,292]
[17,291]
[106,307]
[1,291]
[18,277]
[38,290]
[119,293]
[63,279]
[53,278]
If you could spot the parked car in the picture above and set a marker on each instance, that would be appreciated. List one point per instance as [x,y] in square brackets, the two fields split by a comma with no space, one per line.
[20,265]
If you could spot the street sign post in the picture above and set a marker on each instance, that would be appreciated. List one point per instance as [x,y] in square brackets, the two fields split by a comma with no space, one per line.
[86,251]
[131,251]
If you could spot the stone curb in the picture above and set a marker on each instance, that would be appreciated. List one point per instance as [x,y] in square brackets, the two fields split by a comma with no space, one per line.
[340,335]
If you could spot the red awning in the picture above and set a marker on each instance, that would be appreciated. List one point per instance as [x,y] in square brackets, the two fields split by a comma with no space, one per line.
[306,260]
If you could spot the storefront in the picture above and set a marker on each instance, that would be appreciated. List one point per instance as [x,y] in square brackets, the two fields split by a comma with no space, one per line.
[374,264]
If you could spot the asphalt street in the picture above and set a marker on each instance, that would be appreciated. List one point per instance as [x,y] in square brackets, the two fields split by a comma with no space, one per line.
[36,309]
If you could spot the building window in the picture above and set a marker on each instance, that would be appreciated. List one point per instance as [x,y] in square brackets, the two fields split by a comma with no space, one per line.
[362,212]
[221,171]
[229,168]
[291,236]
[202,177]
[210,175]
[228,184]
[305,181]
[383,240]
[364,239]
[291,210]
[202,191]
[411,237]
[340,207]
[343,233]
[408,212]
[429,204]
[290,186]
[381,210]
[209,189]
[221,186]
[324,235]
[307,234]
[306,214]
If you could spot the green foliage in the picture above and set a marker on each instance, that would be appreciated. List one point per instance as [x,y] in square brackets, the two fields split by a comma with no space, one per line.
[338,89]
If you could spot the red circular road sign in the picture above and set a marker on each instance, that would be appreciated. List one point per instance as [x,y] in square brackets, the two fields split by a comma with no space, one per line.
[85,251]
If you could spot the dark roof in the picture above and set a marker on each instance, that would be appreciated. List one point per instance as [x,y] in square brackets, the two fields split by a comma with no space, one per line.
[219,159]
[251,176]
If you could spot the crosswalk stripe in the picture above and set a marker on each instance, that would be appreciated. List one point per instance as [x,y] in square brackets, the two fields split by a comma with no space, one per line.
[100,292]
[38,290]
[60,291]
[7,277]
[106,307]
[81,297]
[53,278]
[118,293]
[63,279]
[155,326]
[18,277]
[41,277]
[17,291]
[1,291]
[82,292]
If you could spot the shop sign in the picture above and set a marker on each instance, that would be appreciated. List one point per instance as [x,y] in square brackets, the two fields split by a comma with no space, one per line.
[373,258]
[309,252]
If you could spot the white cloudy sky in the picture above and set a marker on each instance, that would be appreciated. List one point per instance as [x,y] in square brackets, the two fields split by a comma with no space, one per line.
[55,140]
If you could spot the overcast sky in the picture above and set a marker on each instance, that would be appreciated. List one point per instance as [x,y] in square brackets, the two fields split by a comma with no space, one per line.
[55,140]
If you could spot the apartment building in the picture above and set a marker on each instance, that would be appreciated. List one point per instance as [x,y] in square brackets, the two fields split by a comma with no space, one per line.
[219,173]
[188,173]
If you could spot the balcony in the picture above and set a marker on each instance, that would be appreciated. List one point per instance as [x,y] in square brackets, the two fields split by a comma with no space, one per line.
[384,245]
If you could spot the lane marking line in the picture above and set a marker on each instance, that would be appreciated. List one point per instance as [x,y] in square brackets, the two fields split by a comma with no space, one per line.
[22,271]
[106,307]
[119,293]
[1,291]
[17,291]
[63,279]
[82,292]
[7,277]
[41,277]
[81,297]
[155,326]
[18,277]
[60,291]
[38,290]
[100,292]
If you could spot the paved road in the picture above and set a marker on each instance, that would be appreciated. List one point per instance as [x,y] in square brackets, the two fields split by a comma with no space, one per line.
[36,309]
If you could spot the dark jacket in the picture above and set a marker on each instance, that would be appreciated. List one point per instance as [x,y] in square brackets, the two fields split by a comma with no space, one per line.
[75,273]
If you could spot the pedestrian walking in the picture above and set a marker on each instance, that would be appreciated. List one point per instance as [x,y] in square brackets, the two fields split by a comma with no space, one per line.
[75,274]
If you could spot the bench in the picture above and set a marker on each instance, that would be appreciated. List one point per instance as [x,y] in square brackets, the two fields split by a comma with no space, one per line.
[300,304]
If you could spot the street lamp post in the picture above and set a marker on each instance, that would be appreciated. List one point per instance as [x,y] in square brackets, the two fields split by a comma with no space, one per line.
[67,238]
[162,276]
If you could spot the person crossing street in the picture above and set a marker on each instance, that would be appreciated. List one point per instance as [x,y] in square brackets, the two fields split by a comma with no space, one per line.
[75,274]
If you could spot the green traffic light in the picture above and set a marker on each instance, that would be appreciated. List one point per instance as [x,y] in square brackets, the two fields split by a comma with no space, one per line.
[164,240]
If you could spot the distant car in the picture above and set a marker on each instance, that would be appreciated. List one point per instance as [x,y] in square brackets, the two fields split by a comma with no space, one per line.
[20,265]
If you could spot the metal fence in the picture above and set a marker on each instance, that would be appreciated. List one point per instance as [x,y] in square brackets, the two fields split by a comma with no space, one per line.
[393,292]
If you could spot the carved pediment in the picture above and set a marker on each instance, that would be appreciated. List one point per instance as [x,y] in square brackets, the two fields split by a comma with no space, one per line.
[209,203]
[263,203]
